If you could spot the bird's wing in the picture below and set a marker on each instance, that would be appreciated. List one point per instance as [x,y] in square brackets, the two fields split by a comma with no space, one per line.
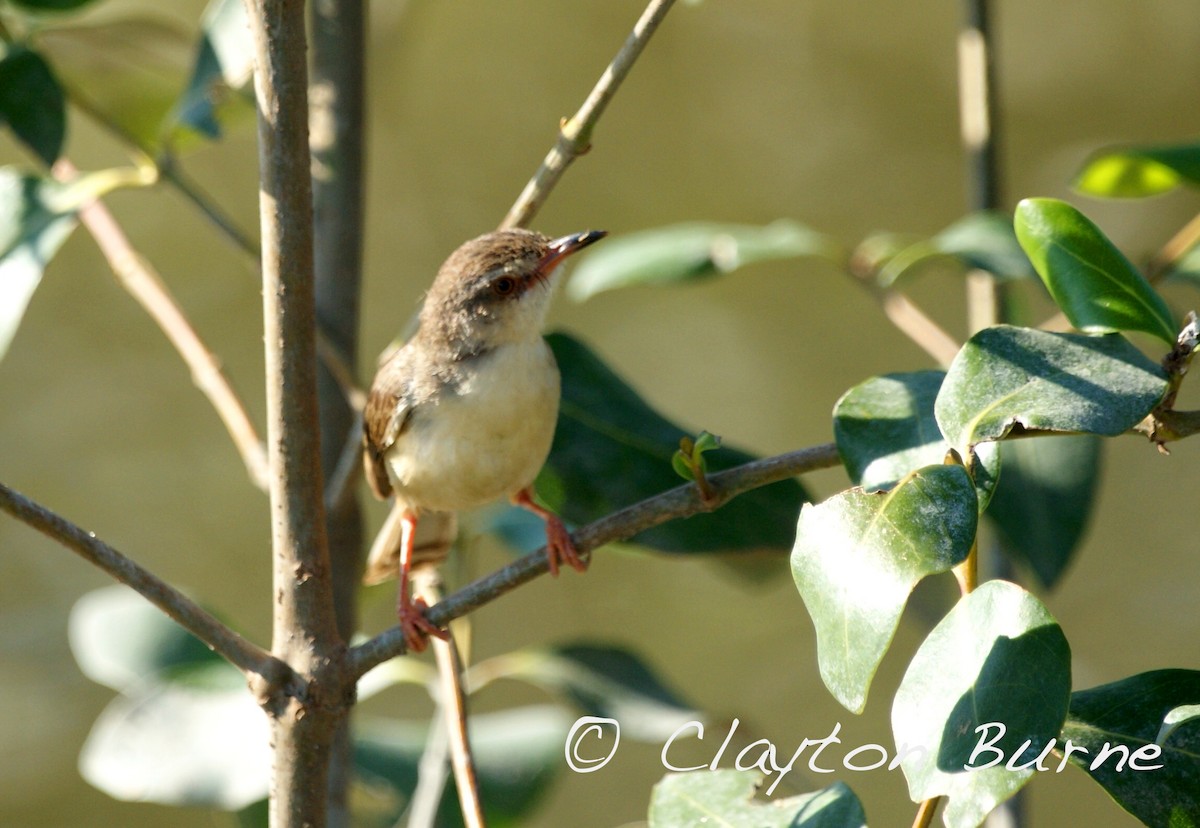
[387,413]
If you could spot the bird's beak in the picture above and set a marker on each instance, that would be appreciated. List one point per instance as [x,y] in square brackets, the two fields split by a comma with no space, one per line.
[561,248]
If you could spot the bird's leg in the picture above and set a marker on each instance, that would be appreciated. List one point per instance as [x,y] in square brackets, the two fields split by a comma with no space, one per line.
[559,546]
[411,611]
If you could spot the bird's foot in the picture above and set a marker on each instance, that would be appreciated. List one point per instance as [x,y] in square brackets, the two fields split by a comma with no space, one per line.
[560,549]
[415,626]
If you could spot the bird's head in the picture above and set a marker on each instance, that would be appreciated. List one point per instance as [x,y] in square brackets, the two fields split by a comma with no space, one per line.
[496,288]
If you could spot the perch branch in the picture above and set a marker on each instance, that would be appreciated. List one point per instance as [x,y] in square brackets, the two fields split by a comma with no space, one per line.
[575,133]
[682,501]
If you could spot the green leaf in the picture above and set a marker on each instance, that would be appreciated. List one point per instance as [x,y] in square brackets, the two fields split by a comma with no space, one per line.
[32,102]
[611,450]
[858,556]
[224,63]
[1136,172]
[885,429]
[1094,284]
[1008,379]
[686,252]
[1130,712]
[1041,507]
[32,228]
[516,752]
[725,798]
[985,240]
[51,5]
[121,641]
[997,658]
[176,744]
[605,681]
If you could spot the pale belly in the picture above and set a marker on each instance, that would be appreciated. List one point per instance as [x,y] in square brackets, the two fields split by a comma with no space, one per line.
[485,443]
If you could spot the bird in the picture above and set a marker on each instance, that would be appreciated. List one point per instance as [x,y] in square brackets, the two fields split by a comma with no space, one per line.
[464,413]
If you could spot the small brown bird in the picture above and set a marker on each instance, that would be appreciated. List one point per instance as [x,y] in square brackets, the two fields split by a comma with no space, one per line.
[464,413]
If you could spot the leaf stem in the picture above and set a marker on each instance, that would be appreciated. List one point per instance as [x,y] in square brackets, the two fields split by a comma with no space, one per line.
[925,812]
[575,133]
[682,501]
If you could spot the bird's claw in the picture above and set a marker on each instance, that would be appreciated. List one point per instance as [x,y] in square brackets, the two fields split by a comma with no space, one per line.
[416,627]
[560,548]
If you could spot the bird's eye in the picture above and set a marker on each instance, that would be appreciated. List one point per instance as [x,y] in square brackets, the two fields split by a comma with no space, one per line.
[504,286]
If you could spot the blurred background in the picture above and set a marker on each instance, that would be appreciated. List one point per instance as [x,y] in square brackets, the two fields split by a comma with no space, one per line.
[839,115]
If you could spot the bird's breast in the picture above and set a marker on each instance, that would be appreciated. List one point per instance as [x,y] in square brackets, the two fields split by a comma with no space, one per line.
[486,439]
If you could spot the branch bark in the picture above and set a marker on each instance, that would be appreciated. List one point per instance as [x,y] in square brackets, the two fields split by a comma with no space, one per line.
[336,142]
[575,133]
[305,632]
[682,501]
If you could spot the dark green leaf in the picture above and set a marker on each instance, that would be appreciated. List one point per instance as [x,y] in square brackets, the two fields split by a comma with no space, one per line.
[685,252]
[223,64]
[611,450]
[32,102]
[997,658]
[32,228]
[885,429]
[1042,505]
[725,799]
[1094,284]
[986,241]
[120,640]
[517,753]
[1131,713]
[52,5]
[858,556]
[609,682]
[1140,171]
[1007,378]
[181,745]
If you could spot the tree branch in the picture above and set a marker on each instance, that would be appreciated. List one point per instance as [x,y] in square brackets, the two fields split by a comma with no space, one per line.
[682,501]
[305,632]
[575,133]
[145,285]
[250,659]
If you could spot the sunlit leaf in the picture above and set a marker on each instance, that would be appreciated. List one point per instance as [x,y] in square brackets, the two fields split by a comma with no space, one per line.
[1131,713]
[606,681]
[725,799]
[178,744]
[120,640]
[32,102]
[858,556]
[1007,378]
[1140,171]
[997,659]
[1043,502]
[32,228]
[685,252]
[885,429]
[223,64]
[1089,278]
[612,450]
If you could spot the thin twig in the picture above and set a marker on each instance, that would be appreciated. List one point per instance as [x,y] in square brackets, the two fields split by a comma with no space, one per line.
[908,318]
[575,133]
[246,656]
[682,501]
[924,817]
[453,703]
[139,278]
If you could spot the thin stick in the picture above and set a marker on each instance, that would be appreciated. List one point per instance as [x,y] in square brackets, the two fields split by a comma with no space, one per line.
[453,702]
[246,656]
[924,817]
[139,278]
[575,133]
[682,501]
